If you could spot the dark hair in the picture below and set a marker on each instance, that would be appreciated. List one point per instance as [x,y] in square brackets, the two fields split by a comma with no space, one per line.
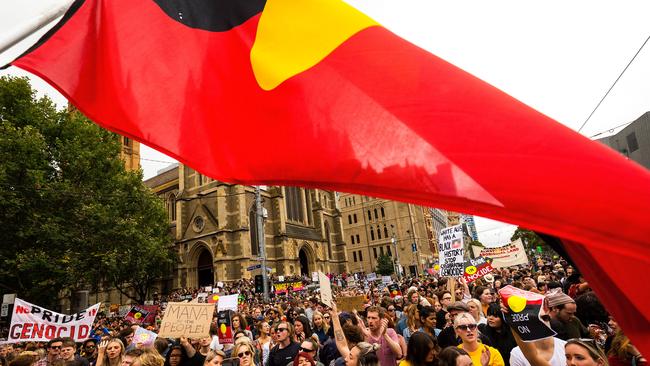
[242,320]
[449,355]
[53,340]
[169,354]
[68,342]
[134,352]
[419,346]
[23,360]
[305,325]
[352,333]
[478,291]
[161,345]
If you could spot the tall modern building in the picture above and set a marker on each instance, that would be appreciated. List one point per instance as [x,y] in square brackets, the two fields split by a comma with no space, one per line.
[213,225]
[633,141]
[373,227]
[468,220]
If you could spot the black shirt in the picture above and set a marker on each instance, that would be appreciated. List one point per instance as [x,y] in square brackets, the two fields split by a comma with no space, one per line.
[280,357]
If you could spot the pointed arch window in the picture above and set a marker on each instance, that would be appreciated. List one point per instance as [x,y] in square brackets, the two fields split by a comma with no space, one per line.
[252,221]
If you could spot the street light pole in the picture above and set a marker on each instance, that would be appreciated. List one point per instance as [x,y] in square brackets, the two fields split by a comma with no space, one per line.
[396,261]
[259,213]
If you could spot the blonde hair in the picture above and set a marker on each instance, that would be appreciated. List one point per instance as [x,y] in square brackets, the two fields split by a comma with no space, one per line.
[463,316]
[149,357]
[325,324]
[412,320]
[239,345]
[479,306]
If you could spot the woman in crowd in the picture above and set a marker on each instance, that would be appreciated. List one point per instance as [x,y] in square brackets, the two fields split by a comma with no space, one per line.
[428,320]
[245,352]
[177,356]
[320,327]
[264,340]
[476,309]
[484,294]
[363,354]
[301,328]
[467,329]
[239,323]
[304,359]
[214,358]
[110,353]
[620,352]
[454,356]
[422,350]
[412,322]
[498,332]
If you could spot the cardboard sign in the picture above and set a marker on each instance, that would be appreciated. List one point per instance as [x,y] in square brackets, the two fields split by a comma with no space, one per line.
[224,326]
[524,315]
[190,320]
[32,323]
[351,303]
[144,337]
[506,256]
[325,289]
[393,290]
[452,252]
[371,276]
[136,315]
[476,268]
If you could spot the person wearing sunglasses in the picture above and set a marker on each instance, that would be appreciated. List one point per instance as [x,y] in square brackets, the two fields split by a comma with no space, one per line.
[245,352]
[53,352]
[286,349]
[481,355]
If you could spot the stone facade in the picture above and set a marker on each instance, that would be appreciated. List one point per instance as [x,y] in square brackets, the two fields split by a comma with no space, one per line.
[130,153]
[376,226]
[213,224]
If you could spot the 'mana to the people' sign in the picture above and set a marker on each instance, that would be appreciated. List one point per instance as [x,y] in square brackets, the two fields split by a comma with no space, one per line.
[31,322]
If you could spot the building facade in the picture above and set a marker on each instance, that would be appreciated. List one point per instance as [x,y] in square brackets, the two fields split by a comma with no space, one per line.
[213,225]
[633,141]
[375,227]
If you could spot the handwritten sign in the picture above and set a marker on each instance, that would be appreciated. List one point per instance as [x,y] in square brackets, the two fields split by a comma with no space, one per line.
[476,268]
[451,251]
[351,303]
[190,320]
[506,256]
[524,313]
[325,289]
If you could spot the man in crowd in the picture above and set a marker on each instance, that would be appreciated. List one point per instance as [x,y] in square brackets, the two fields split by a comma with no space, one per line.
[286,349]
[89,351]
[563,319]
[68,352]
[390,351]
[53,352]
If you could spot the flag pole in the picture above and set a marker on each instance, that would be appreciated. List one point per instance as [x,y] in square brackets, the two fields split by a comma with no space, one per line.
[30,27]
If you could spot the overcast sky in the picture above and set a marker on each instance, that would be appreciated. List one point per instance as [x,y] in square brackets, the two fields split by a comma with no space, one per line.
[559,57]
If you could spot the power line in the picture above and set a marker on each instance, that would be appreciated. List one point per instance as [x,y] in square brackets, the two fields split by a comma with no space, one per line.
[610,129]
[159,161]
[612,87]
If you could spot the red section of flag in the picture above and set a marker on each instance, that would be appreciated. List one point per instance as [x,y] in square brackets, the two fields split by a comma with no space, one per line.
[378,116]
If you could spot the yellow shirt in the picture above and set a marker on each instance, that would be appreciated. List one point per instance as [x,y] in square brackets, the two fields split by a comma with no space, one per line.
[404,363]
[495,357]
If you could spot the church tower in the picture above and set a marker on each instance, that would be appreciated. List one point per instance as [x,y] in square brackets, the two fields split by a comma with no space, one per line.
[130,153]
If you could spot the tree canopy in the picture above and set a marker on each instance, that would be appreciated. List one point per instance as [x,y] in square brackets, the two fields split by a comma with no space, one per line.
[71,216]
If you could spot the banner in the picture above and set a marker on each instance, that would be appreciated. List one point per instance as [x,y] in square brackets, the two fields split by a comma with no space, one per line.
[151,317]
[283,287]
[476,268]
[450,247]
[144,337]
[524,315]
[33,323]
[190,320]
[136,315]
[506,256]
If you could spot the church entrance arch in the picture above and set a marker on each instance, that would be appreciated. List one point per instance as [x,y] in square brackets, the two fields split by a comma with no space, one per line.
[306,260]
[205,269]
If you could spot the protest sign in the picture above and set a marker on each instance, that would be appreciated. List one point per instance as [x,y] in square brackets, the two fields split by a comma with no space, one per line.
[213,298]
[325,289]
[124,309]
[208,288]
[450,247]
[505,256]
[351,303]
[224,325]
[283,287]
[524,315]
[144,337]
[136,315]
[32,323]
[371,276]
[476,268]
[228,302]
[394,290]
[386,280]
[151,317]
[190,320]
[314,277]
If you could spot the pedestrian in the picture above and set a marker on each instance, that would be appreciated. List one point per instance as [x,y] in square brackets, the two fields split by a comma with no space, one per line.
[481,354]
[422,350]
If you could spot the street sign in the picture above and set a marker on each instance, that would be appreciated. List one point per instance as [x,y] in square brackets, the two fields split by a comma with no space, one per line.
[254,267]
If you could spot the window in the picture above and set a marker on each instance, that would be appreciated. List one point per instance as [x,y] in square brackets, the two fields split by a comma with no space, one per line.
[352,239]
[171,207]
[354,254]
[378,233]
[127,142]
[390,254]
[252,222]
[200,179]
[355,218]
[354,201]
[329,240]
[382,212]
[358,241]
[376,216]
[293,203]
[381,251]
[372,234]
[632,143]
[349,219]
[360,256]
[385,231]
[369,216]
[374,252]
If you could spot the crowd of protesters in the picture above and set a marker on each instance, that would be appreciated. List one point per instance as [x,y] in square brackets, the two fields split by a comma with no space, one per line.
[429,320]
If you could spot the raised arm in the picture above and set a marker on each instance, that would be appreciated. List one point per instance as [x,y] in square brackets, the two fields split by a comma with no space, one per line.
[339,336]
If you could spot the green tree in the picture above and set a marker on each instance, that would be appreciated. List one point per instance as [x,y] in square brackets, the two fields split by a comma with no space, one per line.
[385,266]
[71,216]
[529,238]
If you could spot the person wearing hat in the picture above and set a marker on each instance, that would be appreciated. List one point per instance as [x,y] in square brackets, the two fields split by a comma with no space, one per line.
[563,320]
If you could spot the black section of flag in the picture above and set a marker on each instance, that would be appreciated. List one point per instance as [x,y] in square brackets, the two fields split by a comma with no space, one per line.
[211,15]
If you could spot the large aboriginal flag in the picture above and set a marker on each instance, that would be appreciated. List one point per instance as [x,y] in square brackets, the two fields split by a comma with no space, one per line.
[316,94]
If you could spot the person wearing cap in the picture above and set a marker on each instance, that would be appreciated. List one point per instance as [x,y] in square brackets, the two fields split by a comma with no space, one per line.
[563,320]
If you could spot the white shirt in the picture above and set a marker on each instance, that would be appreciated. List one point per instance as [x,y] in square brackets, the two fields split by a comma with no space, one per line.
[559,358]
